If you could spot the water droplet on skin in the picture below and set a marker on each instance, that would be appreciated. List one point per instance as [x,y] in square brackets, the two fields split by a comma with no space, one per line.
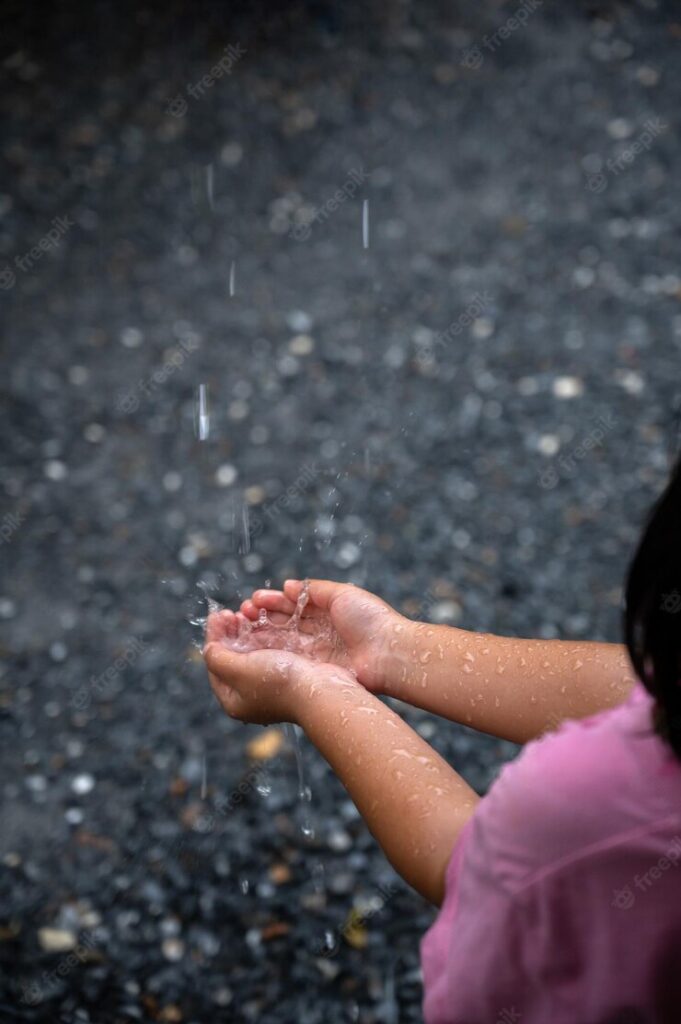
[578,664]
[425,657]
[533,700]
[469,657]
[468,668]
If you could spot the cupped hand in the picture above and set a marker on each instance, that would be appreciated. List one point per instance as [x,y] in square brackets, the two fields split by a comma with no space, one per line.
[267,686]
[349,627]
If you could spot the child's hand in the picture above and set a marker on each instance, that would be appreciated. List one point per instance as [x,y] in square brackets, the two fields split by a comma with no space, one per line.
[267,686]
[372,634]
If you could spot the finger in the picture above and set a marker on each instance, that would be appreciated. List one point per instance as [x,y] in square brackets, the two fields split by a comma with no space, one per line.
[220,624]
[273,601]
[228,698]
[249,609]
[322,593]
[222,662]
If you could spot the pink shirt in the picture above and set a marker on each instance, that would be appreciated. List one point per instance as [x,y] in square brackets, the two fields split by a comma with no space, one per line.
[563,894]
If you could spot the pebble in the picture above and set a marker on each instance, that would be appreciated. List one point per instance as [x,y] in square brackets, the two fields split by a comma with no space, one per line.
[567,387]
[57,940]
[173,949]
[83,784]
[225,475]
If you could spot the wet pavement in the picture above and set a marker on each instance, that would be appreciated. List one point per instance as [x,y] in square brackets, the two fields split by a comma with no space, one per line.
[425,262]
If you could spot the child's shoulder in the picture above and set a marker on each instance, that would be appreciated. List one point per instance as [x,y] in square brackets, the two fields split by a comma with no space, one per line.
[575,788]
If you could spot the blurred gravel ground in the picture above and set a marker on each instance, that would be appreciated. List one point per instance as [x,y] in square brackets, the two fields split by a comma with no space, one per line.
[468,417]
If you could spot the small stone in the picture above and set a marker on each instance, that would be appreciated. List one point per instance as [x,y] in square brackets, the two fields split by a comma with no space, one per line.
[647,76]
[188,556]
[620,128]
[238,409]
[339,841]
[58,651]
[482,328]
[83,784]
[255,495]
[55,470]
[223,996]
[225,475]
[170,1014]
[172,481]
[94,433]
[57,940]
[445,611]
[172,949]
[275,930]
[301,345]
[568,387]
[548,444]
[78,375]
[280,873]
[131,337]
[299,321]
[348,554]
[231,154]
[631,381]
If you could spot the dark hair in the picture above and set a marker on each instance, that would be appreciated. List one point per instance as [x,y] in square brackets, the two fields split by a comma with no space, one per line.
[652,617]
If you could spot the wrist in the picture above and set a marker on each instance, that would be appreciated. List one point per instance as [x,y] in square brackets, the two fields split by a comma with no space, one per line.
[399,663]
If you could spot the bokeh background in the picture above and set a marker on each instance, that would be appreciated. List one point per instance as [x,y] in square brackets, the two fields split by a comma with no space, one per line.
[469,415]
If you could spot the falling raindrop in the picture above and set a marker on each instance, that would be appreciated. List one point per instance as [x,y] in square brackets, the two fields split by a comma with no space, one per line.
[202,417]
[209,186]
[204,778]
[365,223]
[232,279]
[304,793]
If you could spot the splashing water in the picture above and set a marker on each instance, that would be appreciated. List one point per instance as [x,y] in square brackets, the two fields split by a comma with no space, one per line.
[202,416]
[312,636]
[304,791]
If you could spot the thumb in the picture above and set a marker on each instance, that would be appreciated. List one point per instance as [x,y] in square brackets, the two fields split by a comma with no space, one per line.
[222,662]
[322,592]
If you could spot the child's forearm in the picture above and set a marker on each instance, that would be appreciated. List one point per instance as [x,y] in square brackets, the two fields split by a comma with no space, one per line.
[414,803]
[512,688]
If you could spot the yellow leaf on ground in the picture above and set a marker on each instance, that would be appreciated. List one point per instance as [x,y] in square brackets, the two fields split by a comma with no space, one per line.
[266,745]
[354,932]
